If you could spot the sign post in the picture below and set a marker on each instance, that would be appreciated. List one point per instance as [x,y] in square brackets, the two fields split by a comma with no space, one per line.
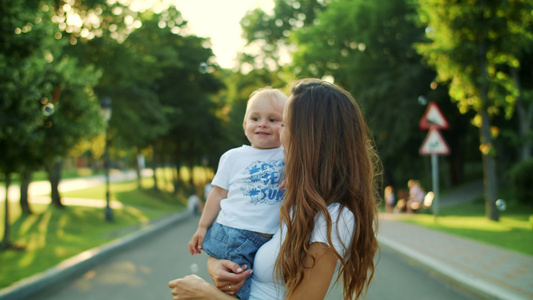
[434,144]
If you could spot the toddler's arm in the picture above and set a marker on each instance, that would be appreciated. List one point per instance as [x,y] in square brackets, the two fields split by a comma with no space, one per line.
[210,213]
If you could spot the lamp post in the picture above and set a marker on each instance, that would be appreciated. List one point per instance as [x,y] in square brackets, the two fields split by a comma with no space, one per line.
[105,104]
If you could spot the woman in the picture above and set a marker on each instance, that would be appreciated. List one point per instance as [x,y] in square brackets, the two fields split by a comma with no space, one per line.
[329,211]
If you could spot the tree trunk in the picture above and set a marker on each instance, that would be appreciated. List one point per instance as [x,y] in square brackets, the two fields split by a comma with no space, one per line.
[6,243]
[168,174]
[456,159]
[191,178]
[176,178]
[138,166]
[525,115]
[54,176]
[154,167]
[26,177]
[490,177]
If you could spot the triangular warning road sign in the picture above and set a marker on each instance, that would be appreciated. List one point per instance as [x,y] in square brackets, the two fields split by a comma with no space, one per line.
[433,118]
[434,144]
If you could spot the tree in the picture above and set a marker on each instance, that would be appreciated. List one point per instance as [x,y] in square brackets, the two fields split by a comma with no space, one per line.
[74,103]
[110,36]
[150,70]
[270,32]
[514,61]
[48,84]
[67,98]
[188,93]
[469,46]
[23,32]
[182,82]
[368,51]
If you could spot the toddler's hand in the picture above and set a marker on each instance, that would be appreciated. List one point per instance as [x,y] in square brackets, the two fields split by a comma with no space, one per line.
[195,245]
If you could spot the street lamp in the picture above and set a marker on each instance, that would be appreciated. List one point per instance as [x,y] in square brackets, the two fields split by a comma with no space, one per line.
[105,104]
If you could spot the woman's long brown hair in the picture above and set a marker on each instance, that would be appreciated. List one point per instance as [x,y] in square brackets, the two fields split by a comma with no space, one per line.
[330,158]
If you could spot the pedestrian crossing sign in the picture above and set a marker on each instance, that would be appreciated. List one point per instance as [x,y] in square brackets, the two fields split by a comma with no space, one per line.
[434,144]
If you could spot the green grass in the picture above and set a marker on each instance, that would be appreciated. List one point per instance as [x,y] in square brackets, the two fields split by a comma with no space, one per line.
[513,231]
[51,235]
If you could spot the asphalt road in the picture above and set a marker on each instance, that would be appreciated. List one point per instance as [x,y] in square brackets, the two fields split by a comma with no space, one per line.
[142,272]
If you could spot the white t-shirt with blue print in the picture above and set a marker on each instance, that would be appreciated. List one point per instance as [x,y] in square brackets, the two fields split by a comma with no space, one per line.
[252,178]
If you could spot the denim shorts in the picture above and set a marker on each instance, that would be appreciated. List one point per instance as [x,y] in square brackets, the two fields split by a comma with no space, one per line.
[237,245]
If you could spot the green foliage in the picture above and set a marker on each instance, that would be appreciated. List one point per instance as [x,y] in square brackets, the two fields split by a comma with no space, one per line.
[288,15]
[368,51]
[76,105]
[483,49]
[22,81]
[459,31]
[44,91]
[270,32]
[522,181]
[20,32]
[366,47]
[161,83]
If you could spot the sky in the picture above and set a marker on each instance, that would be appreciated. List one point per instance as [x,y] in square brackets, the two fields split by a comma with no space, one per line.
[219,20]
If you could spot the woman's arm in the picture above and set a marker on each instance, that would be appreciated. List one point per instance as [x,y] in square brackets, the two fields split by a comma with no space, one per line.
[317,277]
[228,277]
[209,214]
[194,287]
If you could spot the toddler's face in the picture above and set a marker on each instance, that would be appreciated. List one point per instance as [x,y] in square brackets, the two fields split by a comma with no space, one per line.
[263,124]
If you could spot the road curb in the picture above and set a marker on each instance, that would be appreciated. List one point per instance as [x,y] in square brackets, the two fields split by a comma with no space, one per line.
[85,260]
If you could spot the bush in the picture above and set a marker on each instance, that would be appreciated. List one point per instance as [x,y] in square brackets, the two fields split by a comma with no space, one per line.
[522,181]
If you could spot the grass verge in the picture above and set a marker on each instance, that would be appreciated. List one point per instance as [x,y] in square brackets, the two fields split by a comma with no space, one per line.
[513,231]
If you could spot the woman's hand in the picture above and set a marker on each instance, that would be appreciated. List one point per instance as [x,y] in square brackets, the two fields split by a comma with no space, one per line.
[227,275]
[192,287]
[189,287]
